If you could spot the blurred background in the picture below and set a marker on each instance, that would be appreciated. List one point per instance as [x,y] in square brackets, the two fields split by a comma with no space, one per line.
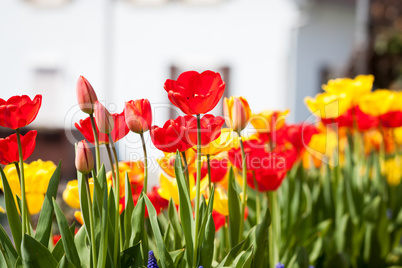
[274,52]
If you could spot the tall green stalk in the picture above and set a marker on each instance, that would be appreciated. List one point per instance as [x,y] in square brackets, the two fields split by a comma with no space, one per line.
[272,239]
[197,195]
[244,200]
[257,200]
[145,187]
[209,174]
[117,196]
[97,153]
[183,154]
[24,211]
[91,223]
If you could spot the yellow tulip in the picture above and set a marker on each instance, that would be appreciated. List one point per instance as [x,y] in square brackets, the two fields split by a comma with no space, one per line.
[392,170]
[135,172]
[398,135]
[321,147]
[78,217]
[396,104]
[223,143]
[37,177]
[167,162]
[237,110]
[354,88]
[71,193]
[376,103]
[328,105]
[169,189]
[263,122]
[221,201]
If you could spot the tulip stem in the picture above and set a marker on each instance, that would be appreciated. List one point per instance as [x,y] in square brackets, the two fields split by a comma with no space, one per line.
[197,195]
[257,200]
[24,212]
[117,197]
[272,239]
[209,174]
[186,170]
[145,187]
[109,154]
[97,153]
[244,200]
[91,223]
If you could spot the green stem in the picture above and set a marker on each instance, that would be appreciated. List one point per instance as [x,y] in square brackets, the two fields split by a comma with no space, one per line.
[272,239]
[197,195]
[183,154]
[227,233]
[257,200]
[96,142]
[24,211]
[209,174]
[109,154]
[145,187]
[244,200]
[91,222]
[117,197]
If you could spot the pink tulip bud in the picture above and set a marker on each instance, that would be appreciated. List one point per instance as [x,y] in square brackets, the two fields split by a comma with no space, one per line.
[237,112]
[103,118]
[84,161]
[86,95]
[138,115]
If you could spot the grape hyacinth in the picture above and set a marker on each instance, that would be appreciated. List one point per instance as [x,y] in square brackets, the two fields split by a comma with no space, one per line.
[151,260]
[280,265]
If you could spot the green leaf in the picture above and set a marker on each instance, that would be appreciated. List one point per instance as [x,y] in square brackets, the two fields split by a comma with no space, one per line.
[177,255]
[234,211]
[83,201]
[35,255]
[68,240]
[8,250]
[131,257]
[186,213]
[165,259]
[261,239]
[128,211]
[245,259]
[83,247]
[174,220]
[231,256]
[12,213]
[207,246]
[44,226]
[58,249]
[104,230]
[64,263]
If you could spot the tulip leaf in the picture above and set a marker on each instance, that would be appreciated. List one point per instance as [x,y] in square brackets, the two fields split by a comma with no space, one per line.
[174,220]
[68,239]
[44,226]
[207,244]
[186,213]
[12,213]
[131,257]
[83,247]
[128,211]
[245,259]
[177,255]
[35,255]
[8,251]
[261,239]
[64,263]
[234,211]
[84,201]
[104,229]
[231,256]
[58,249]
[165,258]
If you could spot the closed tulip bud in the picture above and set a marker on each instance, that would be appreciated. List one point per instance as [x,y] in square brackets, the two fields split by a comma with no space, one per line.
[86,95]
[138,115]
[103,118]
[84,161]
[237,111]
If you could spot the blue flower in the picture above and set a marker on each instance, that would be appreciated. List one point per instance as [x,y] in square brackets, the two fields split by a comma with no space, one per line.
[151,260]
[280,265]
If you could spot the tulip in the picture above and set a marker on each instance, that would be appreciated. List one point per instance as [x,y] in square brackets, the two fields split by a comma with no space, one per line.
[167,162]
[120,129]
[223,143]
[86,95]
[219,169]
[300,135]
[135,171]
[237,111]
[210,128]
[104,119]
[37,177]
[71,194]
[19,111]
[376,103]
[195,93]
[84,160]
[172,136]
[268,121]
[138,115]
[221,201]
[353,117]
[9,147]
[328,105]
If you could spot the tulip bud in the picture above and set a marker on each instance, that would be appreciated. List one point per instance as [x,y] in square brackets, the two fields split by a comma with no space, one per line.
[84,161]
[86,95]
[138,115]
[237,110]
[103,118]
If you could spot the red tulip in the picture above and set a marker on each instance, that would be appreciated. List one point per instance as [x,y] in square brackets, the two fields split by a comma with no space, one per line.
[138,115]
[210,128]
[363,121]
[103,118]
[266,179]
[219,168]
[172,136]
[299,135]
[391,119]
[195,93]
[219,220]
[9,147]
[86,95]
[120,129]
[84,160]
[19,111]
